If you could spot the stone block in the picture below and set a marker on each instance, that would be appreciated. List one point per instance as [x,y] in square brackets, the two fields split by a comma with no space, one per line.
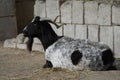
[91,12]
[8,27]
[81,31]
[104,14]
[77,12]
[106,35]
[52,9]
[116,15]
[7,7]
[57,31]
[69,30]
[40,8]
[20,38]
[66,12]
[10,43]
[25,40]
[37,41]
[117,41]
[93,32]
[37,47]
[21,46]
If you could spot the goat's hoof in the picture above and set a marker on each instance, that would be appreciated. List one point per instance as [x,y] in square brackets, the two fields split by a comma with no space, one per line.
[112,68]
[47,66]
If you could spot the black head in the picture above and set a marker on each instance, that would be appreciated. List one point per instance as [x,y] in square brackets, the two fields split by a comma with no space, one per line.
[40,29]
[32,29]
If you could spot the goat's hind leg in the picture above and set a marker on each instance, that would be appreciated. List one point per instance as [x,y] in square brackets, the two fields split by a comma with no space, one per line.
[108,60]
[48,64]
[112,68]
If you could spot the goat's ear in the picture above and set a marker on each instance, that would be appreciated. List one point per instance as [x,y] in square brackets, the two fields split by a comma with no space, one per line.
[37,18]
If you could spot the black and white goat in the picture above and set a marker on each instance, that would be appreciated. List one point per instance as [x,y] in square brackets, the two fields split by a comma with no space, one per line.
[66,52]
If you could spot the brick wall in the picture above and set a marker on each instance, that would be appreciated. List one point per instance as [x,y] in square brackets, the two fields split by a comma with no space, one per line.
[84,20]
[8,27]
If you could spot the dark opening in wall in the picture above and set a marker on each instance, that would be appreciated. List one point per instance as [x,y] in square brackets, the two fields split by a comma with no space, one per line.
[24,13]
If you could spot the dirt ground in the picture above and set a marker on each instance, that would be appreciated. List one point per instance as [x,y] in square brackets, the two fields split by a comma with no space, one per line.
[18,64]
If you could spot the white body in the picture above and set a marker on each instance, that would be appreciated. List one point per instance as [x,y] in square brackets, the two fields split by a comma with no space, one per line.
[60,52]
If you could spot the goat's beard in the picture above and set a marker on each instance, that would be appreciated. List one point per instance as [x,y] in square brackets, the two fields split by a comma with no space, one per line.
[29,44]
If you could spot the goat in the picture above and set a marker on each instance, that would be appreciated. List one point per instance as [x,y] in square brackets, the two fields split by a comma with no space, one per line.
[66,52]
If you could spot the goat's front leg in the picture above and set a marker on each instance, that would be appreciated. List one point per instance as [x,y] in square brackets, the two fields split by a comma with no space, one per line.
[48,64]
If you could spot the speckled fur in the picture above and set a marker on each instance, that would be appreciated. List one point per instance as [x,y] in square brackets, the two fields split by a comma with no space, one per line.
[60,52]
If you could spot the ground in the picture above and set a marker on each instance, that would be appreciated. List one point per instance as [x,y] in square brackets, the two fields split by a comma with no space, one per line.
[18,64]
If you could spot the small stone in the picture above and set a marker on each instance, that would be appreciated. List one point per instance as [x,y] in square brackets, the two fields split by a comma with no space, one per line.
[10,43]
[25,40]
[52,6]
[66,9]
[81,31]
[93,32]
[40,8]
[104,14]
[21,46]
[69,30]
[37,47]
[91,12]
[106,35]
[116,15]
[20,38]
[117,41]
[37,41]
[77,9]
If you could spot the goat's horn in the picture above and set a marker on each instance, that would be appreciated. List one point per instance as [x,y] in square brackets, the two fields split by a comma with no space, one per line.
[56,18]
[58,26]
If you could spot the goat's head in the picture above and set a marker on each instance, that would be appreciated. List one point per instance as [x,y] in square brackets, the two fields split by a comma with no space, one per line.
[31,30]
[37,28]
